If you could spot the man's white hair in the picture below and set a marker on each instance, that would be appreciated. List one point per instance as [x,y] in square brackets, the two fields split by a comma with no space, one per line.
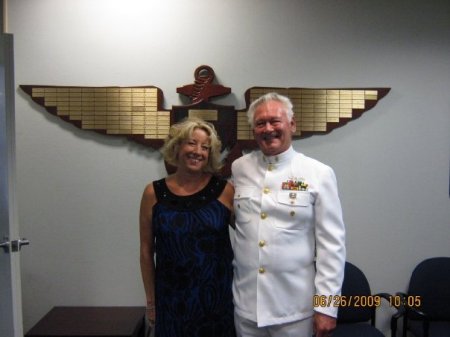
[271,96]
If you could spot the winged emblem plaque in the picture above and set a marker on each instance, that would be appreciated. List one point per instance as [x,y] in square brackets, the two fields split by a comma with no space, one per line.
[138,112]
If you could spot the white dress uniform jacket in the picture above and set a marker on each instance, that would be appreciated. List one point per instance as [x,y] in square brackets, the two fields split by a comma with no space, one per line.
[287,213]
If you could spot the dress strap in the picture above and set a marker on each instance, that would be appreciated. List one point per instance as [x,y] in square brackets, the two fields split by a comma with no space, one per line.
[160,189]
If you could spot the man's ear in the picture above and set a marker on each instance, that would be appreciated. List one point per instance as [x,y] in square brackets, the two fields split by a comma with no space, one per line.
[293,125]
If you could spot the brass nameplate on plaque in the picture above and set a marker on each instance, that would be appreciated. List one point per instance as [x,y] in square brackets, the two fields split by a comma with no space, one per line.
[207,115]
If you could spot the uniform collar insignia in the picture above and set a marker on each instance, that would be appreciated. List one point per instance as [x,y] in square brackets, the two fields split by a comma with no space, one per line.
[285,156]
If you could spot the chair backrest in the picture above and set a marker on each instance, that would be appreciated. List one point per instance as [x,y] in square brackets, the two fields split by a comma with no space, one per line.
[430,280]
[355,284]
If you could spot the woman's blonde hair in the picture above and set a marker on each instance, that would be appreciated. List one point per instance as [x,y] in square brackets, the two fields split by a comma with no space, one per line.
[182,131]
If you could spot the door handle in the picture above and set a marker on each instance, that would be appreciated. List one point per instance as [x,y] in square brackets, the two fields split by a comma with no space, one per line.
[13,246]
[16,245]
[5,245]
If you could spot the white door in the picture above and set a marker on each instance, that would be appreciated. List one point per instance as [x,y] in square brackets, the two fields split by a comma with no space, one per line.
[10,244]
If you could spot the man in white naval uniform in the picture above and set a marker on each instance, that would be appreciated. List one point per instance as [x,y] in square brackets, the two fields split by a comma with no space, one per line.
[289,237]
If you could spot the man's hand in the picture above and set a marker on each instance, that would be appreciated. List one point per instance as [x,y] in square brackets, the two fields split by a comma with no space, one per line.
[323,325]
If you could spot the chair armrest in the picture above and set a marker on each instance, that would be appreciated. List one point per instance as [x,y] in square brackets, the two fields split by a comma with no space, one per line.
[406,308]
[405,311]
[386,296]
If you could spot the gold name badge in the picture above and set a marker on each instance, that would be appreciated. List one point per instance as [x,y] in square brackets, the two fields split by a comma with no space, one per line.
[207,115]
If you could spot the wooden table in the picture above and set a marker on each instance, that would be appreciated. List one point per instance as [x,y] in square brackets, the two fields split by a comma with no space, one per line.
[90,322]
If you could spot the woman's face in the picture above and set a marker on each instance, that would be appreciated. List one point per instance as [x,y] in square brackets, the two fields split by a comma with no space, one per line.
[193,154]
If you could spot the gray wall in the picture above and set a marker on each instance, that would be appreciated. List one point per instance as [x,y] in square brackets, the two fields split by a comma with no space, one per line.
[79,192]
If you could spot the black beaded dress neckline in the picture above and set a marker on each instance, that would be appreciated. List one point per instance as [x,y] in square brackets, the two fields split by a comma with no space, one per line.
[211,191]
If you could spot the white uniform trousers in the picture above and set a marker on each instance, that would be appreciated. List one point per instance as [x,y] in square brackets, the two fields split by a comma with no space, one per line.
[248,328]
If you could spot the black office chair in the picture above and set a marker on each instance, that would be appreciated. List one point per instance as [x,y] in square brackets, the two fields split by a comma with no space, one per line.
[356,314]
[425,307]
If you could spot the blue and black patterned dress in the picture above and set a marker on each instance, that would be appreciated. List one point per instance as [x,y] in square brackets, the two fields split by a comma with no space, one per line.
[193,263]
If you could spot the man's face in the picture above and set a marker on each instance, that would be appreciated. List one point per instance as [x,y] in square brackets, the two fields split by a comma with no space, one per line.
[272,129]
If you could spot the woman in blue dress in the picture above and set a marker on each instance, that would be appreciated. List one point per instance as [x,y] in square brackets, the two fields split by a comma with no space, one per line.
[185,250]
